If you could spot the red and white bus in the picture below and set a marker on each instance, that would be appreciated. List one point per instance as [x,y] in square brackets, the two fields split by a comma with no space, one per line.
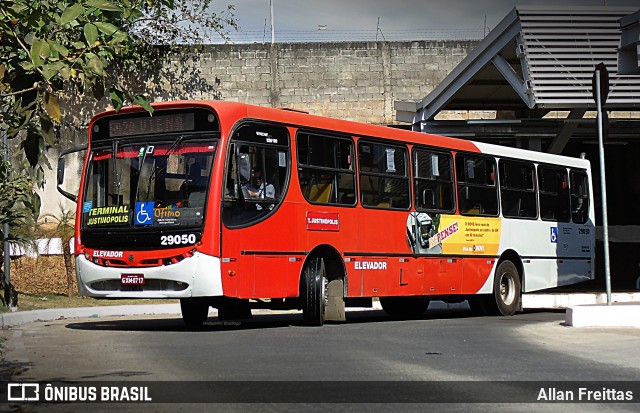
[234,206]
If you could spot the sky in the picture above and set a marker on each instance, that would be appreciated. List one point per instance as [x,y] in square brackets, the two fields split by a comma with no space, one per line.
[300,19]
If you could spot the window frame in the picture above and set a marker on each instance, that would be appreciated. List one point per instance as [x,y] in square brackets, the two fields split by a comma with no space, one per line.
[583,172]
[405,177]
[303,133]
[541,193]
[416,178]
[196,138]
[233,142]
[501,161]
[462,184]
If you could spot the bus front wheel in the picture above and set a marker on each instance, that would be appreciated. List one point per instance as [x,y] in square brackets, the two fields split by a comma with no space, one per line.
[194,311]
[506,289]
[314,295]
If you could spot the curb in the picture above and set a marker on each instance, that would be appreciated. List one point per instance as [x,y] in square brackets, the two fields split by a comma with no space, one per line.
[602,315]
[585,309]
[575,299]
[24,317]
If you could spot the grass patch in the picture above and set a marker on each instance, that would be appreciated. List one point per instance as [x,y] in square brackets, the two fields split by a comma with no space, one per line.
[28,302]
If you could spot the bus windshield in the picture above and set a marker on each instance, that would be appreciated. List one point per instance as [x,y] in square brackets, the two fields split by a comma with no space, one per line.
[148,185]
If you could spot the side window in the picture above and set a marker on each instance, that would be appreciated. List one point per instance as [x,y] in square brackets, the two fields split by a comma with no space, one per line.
[579,197]
[477,191]
[518,190]
[384,181]
[433,181]
[326,172]
[256,175]
[554,193]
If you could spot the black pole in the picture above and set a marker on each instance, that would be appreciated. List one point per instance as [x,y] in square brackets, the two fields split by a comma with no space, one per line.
[5,232]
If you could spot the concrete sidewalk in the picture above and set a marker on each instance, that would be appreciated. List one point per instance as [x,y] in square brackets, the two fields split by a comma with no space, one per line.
[591,309]
[583,310]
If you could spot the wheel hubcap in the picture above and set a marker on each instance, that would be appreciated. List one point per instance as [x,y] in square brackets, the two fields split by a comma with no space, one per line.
[507,289]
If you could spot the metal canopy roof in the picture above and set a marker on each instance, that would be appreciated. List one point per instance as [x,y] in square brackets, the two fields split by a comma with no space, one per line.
[535,60]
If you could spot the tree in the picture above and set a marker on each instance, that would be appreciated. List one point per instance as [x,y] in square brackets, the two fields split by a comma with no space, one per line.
[52,47]
[16,206]
[64,228]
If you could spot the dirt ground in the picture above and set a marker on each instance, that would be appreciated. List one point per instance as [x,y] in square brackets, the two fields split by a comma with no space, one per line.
[42,275]
[42,283]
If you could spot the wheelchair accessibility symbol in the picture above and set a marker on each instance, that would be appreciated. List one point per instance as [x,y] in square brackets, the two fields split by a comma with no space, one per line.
[144,213]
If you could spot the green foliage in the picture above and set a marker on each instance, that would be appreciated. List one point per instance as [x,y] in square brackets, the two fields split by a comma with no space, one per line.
[49,48]
[17,205]
[86,46]
[17,201]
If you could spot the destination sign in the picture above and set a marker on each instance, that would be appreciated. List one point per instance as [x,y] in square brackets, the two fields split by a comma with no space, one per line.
[148,125]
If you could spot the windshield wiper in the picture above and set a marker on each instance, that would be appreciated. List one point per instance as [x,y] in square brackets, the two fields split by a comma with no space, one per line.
[115,172]
[158,174]
[141,166]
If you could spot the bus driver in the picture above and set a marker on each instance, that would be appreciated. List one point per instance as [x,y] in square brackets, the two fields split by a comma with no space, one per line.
[257,188]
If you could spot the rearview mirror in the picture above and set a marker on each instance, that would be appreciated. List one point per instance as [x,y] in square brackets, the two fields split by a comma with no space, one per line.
[61,164]
[61,167]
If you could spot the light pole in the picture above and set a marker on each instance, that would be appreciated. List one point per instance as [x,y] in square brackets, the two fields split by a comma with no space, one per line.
[600,88]
[273,23]
[5,233]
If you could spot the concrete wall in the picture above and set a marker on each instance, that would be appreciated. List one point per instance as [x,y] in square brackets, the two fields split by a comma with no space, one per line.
[356,81]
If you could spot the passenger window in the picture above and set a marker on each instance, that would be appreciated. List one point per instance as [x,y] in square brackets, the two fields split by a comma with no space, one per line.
[517,189]
[579,197]
[433,181]
[256,175]
[477,192]
[554,193]
[325,168]
[384,181]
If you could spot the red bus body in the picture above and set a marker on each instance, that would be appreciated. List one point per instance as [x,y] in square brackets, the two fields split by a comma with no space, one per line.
[366,246]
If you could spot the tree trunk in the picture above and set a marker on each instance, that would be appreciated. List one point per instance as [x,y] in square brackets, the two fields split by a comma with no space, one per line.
[9,296]
[66,253]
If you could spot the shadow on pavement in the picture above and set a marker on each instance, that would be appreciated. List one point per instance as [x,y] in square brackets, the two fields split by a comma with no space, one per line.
[266,321]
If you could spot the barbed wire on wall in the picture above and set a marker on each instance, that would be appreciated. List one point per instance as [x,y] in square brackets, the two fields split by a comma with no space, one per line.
[327,35]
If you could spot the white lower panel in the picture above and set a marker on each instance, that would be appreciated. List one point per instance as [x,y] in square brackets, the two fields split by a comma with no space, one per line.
[200,272]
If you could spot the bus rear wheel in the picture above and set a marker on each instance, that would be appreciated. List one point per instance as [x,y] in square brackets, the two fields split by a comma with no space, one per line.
[505,299]
[404,307]
[194,311]
[314,293]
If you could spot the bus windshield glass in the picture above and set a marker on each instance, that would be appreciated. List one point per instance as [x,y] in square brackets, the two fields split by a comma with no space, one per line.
[148,185]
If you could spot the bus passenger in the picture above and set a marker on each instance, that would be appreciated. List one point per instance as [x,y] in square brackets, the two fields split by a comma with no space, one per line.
[257,188]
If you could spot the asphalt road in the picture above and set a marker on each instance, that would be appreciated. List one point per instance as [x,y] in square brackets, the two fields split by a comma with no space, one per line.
[490,352]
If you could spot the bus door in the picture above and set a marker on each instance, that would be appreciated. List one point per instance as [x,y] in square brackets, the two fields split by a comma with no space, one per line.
[257,234]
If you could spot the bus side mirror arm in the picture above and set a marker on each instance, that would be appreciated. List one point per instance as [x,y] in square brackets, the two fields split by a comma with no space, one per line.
[60,174]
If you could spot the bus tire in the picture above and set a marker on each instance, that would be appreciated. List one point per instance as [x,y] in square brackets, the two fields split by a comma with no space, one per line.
[404,307]
[506,290]
[314,293]
[194,311]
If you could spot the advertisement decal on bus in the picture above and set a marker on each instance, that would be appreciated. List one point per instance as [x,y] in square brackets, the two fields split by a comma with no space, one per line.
[451,234]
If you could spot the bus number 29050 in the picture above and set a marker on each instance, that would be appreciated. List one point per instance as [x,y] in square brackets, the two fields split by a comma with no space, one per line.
[178,239]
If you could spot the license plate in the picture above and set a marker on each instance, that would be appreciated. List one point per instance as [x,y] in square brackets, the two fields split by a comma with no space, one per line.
[132,279]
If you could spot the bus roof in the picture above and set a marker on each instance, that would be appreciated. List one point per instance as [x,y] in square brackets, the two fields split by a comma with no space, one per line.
[301,119]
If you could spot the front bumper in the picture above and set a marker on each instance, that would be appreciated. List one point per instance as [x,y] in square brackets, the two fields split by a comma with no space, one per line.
[196,276]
